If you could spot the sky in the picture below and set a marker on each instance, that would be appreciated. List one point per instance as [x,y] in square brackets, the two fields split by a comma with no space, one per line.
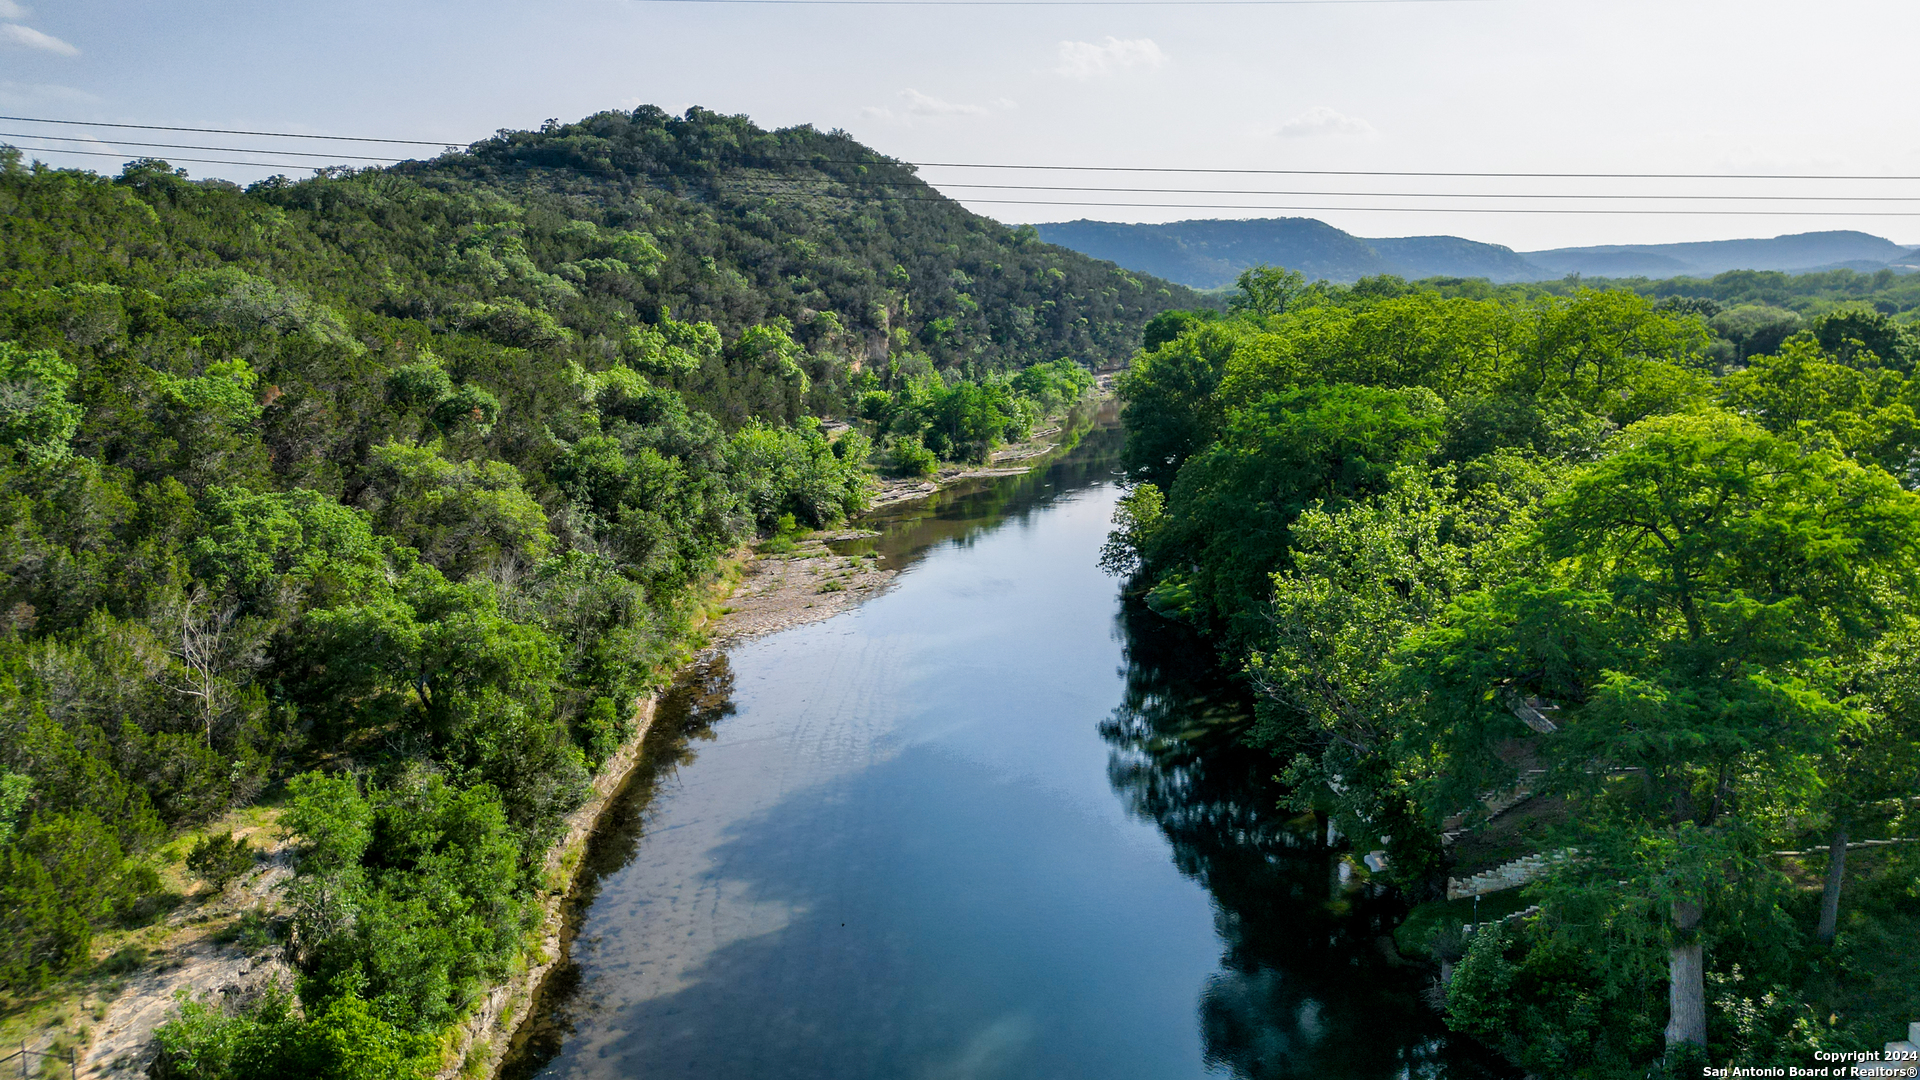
[1529,86]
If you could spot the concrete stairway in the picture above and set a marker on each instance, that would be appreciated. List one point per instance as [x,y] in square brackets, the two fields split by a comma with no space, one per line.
[1897,1059]
[1508,876]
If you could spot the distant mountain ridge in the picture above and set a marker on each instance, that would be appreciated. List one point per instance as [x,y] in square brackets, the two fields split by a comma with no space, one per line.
[1207,254]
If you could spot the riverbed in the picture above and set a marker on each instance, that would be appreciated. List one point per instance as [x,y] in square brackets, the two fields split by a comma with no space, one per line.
[992,823]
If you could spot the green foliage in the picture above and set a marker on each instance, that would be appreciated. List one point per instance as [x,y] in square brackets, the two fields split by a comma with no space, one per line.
[15,790]
[1803,393]
[1171,411]
[963,420]
[1414,515]
[1267,290]
[672,348]
[418,472]
[218,860]
[36,419]
[233,299]
[1229,512]
[44,935]
[908,456]
[967,421]
[1136,518]
[1169,325]
[1053,386]
[1865,338]
[1554,1007]
[794,471]
[267,1038]
[407,896]
[466,518]
[1755,329]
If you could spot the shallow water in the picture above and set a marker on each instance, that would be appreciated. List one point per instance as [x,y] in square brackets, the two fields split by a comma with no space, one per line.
[990,824]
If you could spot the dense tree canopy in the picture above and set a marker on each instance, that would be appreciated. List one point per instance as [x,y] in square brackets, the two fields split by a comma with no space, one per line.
[393,490]
[1562,550]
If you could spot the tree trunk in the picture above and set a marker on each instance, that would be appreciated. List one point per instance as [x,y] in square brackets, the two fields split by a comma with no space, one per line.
[1836,875]
[1686,980]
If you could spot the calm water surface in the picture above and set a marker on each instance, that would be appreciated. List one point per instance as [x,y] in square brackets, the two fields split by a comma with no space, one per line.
[989,825]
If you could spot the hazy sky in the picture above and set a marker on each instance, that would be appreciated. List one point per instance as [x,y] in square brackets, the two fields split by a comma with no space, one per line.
[1496,85]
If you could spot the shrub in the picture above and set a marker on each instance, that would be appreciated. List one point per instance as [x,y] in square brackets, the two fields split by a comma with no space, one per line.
[909,457]
[218,860]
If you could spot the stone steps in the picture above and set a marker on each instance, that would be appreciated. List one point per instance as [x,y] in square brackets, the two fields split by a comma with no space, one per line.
[1900,1058]
[1506,876]
[1537,714]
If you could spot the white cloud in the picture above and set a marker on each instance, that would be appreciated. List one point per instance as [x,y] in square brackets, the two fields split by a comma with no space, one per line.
[28,38]
[1085,59]
[9,9]
[919,104]
[914,104]
[1322,121]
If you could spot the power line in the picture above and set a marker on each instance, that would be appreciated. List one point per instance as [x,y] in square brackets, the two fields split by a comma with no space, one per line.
[1078,168]
[1331,194]
[1208,206]
[1424,209]
[229,131]
[196,161]
[1072,3]
[1377,172]
[1158,205]
[185,146]
[1013,187]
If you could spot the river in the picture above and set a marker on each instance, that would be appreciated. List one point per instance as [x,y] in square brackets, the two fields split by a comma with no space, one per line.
[991,824]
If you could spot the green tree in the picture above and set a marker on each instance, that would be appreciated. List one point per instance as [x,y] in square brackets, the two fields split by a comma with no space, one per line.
[268,1039]
[1706,577]
[1267,290]
[1229,512]
[464,518]
[1171,412]
[1863,338]
[36,419]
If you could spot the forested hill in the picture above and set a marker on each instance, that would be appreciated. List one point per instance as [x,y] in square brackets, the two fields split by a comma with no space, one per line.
[707,217]
[384,495]
[757,224]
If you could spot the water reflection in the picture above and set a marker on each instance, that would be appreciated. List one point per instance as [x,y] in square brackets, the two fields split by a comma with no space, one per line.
[699,698]
[901,854]
[1088,448]
[1310,984]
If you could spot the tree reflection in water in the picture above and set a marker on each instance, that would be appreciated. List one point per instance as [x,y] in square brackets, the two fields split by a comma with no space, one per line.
[1310,985]
[700,697]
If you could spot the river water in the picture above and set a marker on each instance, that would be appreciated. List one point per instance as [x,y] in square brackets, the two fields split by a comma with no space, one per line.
[992,824]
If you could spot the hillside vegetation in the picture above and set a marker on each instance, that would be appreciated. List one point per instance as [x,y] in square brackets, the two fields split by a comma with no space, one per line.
[1565,552]
[385,494]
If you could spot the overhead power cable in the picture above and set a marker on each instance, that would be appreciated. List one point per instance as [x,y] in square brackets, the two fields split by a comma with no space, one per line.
[1361,172]
[230,131]
[1074,3]
[1373,198]
[170,160]
[1415,209]
[1070,168]
[186,146]
[1196,206]
[1332,194]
